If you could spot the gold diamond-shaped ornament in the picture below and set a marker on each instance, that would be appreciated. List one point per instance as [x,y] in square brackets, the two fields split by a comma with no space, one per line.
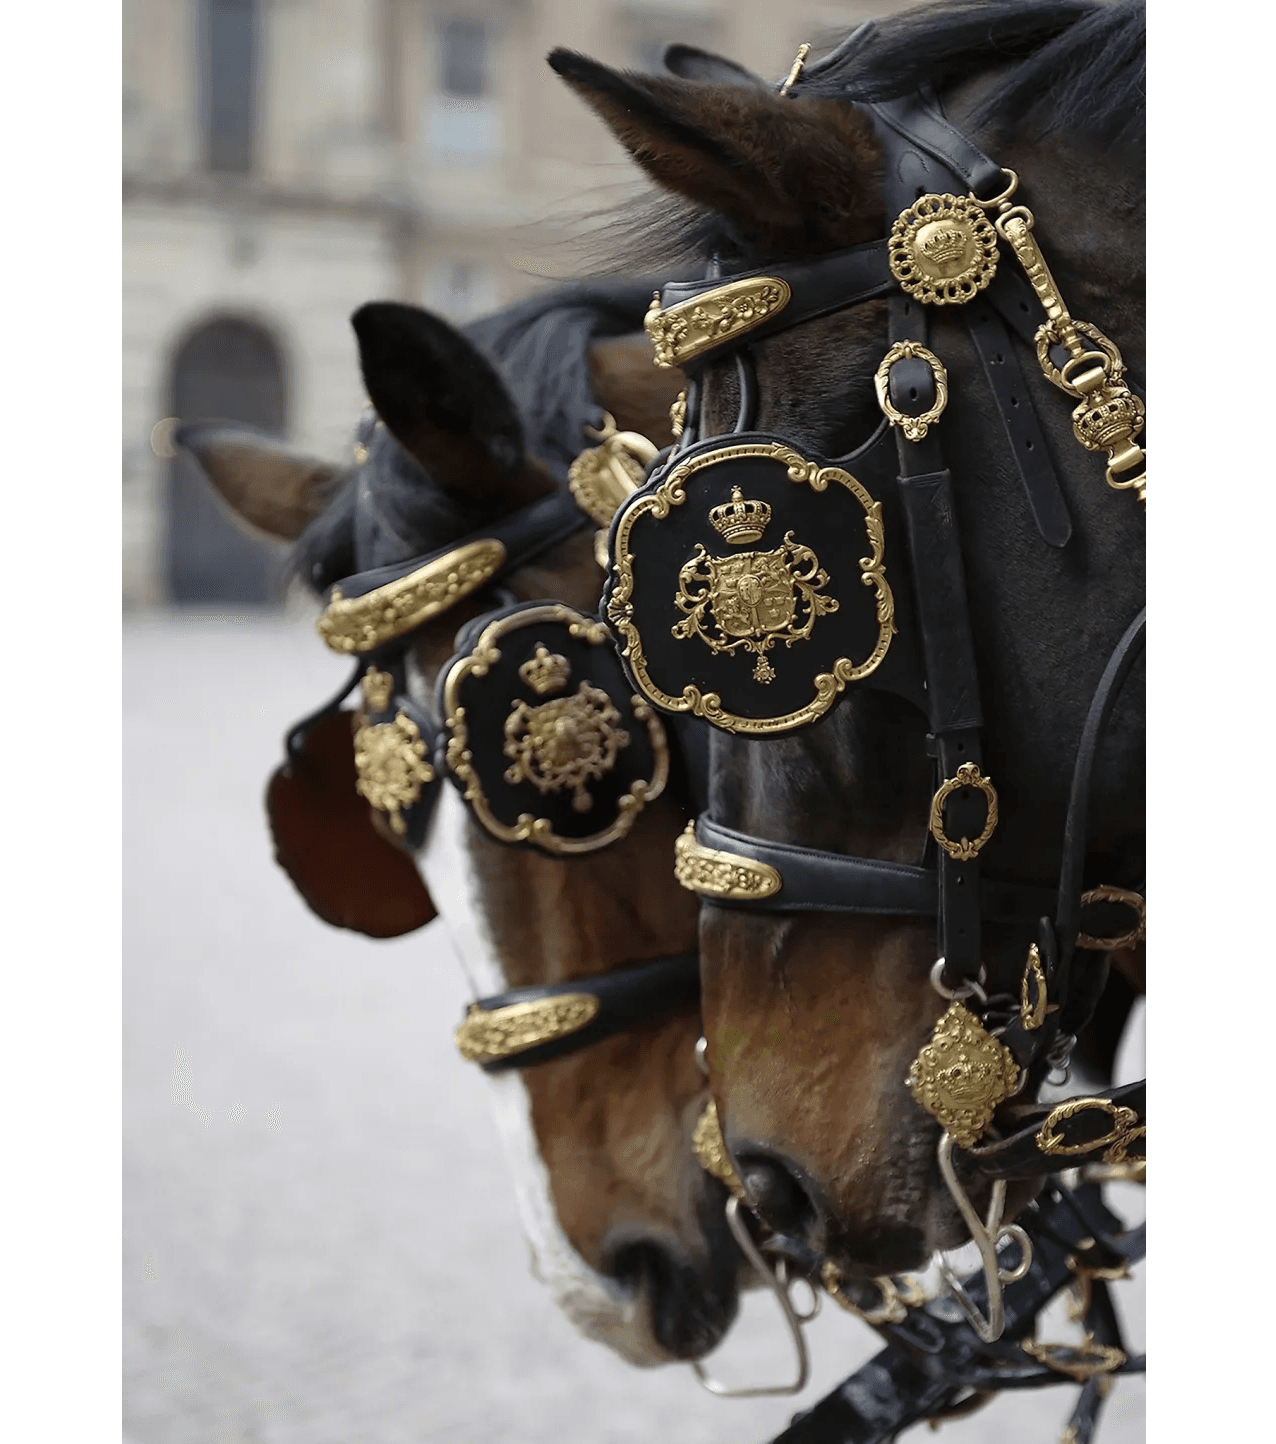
[962,1075]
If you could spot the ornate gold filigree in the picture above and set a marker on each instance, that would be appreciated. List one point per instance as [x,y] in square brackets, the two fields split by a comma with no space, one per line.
[943,250]
[962,1075]
[721,874]
[1125,1129]
[545,671]
[1110,416]
[487,1036]
[390,762]
[685,331]
[565,743]
[711,1151]
[377,688]
[1077,1361]
[752,600]
[1032,992]
[914,427]
[678,414]
[603,476]
[895,1302]
[460,759]
[358,624]
[968,775]
[1105,892]
[828,686]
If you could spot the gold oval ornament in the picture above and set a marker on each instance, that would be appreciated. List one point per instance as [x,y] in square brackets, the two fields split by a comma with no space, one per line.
[943,250]
[713,873]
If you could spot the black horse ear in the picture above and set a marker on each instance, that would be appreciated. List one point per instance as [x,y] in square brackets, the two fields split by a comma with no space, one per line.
[794,176]
[445,404]
[692,63]
[272,488]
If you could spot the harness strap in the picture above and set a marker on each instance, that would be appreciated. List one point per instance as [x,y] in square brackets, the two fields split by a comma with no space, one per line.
[1066,1135]
[526,1026]
[358,622]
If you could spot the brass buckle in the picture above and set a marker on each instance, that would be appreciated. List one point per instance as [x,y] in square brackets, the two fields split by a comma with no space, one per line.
[914,427]
[1125,1130]
[968,775]
[1106,893]
[1032,1012]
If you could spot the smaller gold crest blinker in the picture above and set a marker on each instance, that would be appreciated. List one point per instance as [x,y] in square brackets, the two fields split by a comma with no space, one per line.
[943,250]
[750,599]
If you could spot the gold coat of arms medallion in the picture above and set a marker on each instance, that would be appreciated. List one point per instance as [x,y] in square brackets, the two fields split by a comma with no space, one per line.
[565,743]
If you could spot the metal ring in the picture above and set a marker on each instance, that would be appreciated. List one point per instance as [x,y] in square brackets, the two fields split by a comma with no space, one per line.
[914,427]
[970,987]
[702,1044]
[1065,371]
[1106,893]
[1004,196]
[968,775]
[1048,335]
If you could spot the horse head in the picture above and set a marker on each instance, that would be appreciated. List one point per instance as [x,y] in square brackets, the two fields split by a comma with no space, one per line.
[626,1228]
[814,1015]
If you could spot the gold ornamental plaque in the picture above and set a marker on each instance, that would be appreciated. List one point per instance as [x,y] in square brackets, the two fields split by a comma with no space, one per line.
[359,624]
[389,760]
[711,1151]
[686,331]
[564,743]
[943,250]
[487,1036]
[962,1075]
[714,873]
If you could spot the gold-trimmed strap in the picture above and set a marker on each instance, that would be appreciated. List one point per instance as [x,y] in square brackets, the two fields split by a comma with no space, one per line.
[721,874]
[693,327]
[358,624]
[489,1036]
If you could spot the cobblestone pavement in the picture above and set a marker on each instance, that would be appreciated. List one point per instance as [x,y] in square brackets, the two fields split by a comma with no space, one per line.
[321,1244]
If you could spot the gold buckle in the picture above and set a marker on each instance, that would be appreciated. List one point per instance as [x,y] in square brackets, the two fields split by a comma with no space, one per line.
[1032,1013]
[1106,893]
[914,427]
[1125,1130]
[968,775]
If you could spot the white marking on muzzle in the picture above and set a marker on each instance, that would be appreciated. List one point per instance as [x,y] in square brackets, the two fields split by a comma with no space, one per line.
[600,1308]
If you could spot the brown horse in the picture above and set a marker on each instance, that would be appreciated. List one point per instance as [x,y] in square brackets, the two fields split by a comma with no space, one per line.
[813,1018]
[626,1229]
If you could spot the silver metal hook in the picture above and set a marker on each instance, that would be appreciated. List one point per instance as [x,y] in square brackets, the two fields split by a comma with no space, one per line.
[970,988]
[986,1236]
[779,1288]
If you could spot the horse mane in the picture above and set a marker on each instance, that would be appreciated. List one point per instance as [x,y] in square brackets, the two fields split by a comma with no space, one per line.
[1077,65]
[391,509]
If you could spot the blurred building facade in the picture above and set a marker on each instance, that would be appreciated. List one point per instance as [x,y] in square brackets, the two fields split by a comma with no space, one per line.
[287,160]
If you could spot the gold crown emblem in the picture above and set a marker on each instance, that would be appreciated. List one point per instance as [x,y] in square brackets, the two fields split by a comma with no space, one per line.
[545,671]
[1109,421]
[738,520]
[944,244]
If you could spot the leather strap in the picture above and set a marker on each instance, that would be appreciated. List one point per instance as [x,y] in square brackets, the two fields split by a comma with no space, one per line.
[524,534]
[919,123]
[831,283]
[1021,1155]
[1019,422]
[627,997]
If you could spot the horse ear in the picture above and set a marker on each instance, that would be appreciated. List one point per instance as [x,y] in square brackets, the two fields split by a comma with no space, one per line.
[793,175]
[445,404]
[272,488]
[692,63]
[348,874]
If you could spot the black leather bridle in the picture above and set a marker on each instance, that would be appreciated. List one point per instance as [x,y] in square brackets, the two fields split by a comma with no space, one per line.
[924,154]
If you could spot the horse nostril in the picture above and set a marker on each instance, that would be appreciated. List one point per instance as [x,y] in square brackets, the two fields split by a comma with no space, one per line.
[776,1196]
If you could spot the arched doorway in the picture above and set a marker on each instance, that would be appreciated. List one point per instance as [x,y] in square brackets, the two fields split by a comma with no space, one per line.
[228,370]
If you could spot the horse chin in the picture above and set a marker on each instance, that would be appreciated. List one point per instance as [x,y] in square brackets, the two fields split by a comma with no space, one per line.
[685,1314]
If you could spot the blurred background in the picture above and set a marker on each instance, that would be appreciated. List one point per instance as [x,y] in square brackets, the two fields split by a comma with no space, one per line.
[321,1242]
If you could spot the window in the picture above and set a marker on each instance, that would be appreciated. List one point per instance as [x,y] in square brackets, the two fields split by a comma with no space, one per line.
[463,56]
[229,369]
[229,83]
[462,119]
